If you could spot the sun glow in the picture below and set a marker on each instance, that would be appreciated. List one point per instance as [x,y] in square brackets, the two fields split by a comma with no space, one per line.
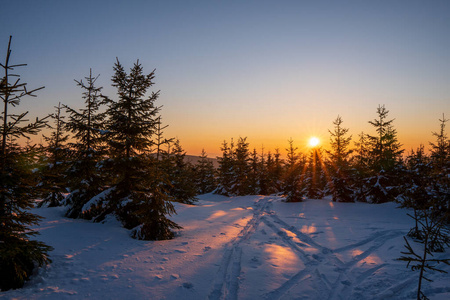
[313,141]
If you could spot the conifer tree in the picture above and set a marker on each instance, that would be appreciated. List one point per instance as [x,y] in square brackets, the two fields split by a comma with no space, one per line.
[360,167]
[263,174]
[19,255]
[417,187]
[340,185]
[87,128]
[384,159]
[275,173]
[225,175]
[440,157]
[204,170]
[314,174]
[138,193]
[292,185]
[180,174]
[52,183]
[241,168]
[254,174]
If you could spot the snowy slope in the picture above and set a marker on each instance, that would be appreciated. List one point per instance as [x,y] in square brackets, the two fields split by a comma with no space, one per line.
[252,247]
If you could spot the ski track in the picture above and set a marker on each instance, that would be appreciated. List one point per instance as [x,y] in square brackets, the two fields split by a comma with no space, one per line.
[226,283]
[227,280]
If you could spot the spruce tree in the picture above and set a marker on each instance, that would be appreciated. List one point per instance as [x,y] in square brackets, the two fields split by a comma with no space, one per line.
[241,170]
[19,255]
[339,172]
[225,175]
[87,128]
[204,171]
[314,174]
[360,168]
[292,184]
[384,159]
[263,174]
[180,175]
[417,189]
[254,174]
[440,159]
[138,193]
[52,185]
[275,172]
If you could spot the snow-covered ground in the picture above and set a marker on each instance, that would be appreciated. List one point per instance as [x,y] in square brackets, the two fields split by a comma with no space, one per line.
[252,247]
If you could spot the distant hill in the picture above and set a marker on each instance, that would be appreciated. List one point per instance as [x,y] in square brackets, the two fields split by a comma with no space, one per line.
[193,159]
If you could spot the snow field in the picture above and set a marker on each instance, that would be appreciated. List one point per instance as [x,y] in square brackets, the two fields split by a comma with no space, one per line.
[252,247]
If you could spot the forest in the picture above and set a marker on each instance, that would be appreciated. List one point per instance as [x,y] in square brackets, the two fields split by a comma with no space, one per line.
[112,158]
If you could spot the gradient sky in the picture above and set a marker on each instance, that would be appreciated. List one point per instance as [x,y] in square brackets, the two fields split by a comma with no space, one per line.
[266,70]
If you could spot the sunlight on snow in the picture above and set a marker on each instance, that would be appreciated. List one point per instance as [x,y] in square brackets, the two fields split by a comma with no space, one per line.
[282,257]
[308,229]
[217,214]
[372,259]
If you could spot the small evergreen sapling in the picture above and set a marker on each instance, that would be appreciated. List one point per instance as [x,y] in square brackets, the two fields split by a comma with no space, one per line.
[423,261]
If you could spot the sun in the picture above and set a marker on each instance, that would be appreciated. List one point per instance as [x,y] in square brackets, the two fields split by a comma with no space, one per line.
[313,141]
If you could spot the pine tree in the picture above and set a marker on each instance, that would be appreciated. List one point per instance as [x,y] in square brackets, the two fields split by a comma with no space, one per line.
[263,174]
[52,184]
[255,174]
[138,191]
[180,174]
[87,127]
[314,174]
[18,254]
[292,184]
[340,185]
[440,158]
[417,186]
[360,168]
[274,166]
[225,175]
[384,159]
[204,171]
[241,185]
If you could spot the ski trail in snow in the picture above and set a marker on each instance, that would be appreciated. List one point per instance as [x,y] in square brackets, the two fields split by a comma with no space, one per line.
[347,279]
[311,262]
[226,283]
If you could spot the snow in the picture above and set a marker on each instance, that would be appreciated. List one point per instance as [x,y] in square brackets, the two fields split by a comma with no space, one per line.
[252,247]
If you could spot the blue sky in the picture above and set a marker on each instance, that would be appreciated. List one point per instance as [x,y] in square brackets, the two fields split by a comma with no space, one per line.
[268,70]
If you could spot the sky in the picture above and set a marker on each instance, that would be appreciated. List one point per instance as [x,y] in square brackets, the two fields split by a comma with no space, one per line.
[265,70]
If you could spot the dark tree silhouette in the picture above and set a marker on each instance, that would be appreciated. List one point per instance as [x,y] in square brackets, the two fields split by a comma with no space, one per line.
[138,192]
[18,254]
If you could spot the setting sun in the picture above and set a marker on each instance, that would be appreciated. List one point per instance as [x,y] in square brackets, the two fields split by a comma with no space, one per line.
[313,141]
